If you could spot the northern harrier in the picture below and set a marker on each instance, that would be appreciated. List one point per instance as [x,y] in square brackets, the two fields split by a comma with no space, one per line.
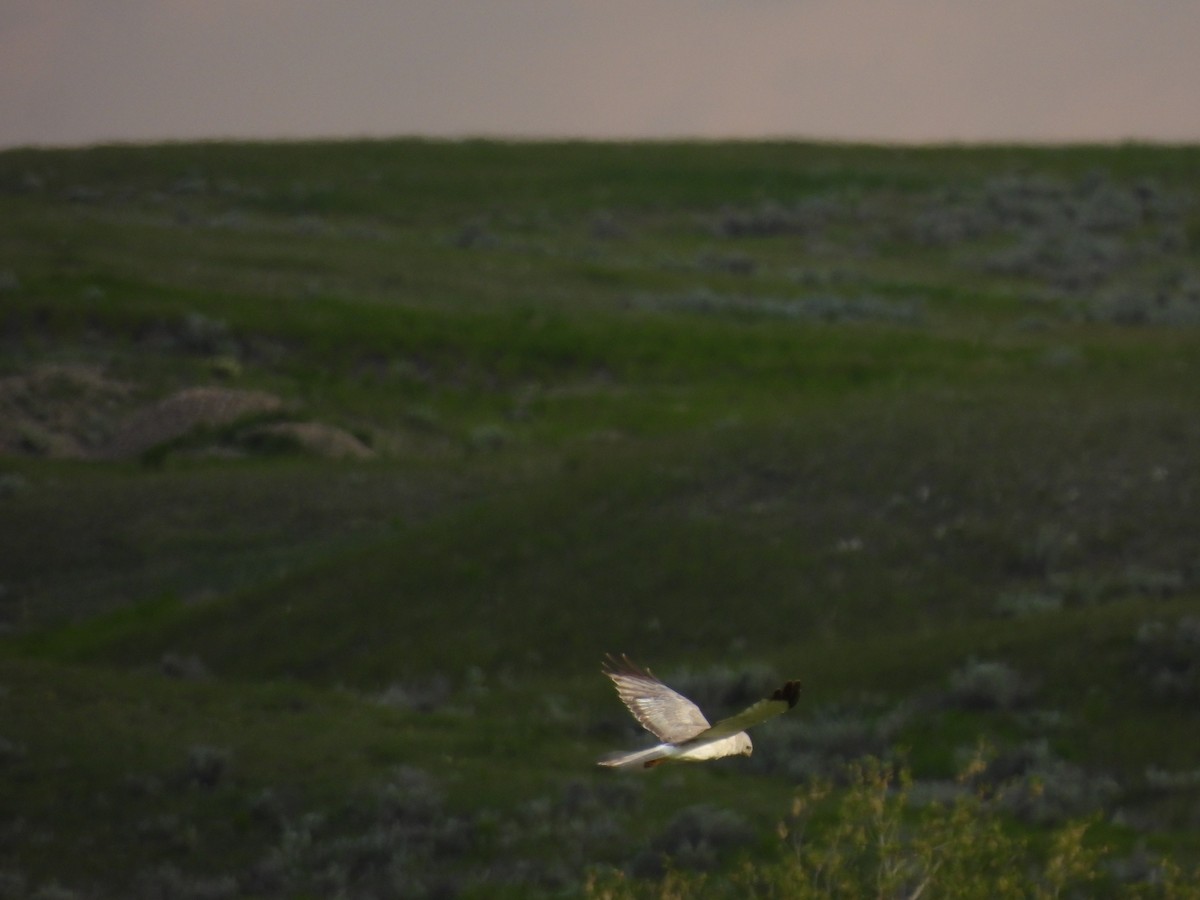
[676,721]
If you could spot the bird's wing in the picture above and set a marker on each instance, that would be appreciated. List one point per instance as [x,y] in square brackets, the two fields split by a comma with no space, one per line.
[778,703]
[666,714]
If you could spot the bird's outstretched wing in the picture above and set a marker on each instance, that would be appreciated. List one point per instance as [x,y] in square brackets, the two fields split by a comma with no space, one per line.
[666,714]
[778,703]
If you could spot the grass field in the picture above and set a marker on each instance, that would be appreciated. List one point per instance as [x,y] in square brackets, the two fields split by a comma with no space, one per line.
[329,472]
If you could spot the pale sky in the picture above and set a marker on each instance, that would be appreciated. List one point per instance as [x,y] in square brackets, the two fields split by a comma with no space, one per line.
[86,71]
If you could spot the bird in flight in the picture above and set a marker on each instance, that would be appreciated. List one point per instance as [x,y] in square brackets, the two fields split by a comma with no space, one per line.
[678,722]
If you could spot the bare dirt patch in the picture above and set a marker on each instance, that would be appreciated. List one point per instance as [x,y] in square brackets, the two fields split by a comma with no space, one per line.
[60,411]
[77,412]
[184,412]
[312,437]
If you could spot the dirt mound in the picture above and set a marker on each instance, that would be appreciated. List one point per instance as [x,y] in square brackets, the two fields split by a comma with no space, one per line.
[59,411]
[75,412]
[184,412]
[311,437]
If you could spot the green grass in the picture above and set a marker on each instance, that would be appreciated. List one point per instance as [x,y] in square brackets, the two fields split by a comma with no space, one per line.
[601,423]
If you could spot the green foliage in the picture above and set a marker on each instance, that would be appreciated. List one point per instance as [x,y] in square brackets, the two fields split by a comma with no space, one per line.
[872,840]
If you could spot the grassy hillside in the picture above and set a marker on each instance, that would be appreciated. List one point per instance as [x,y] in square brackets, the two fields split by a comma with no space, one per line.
[329,472]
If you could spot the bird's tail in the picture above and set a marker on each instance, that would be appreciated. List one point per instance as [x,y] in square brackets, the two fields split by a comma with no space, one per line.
[648,758]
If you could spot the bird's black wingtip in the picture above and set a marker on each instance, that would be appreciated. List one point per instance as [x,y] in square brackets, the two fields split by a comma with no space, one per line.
[789,693]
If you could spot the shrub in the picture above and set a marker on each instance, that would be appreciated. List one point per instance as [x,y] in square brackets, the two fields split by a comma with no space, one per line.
[697,838]
[766,220]
[1167,782]
[488,437]
[267,806]
[606,226]
[12,885]
[1070,259]
[167,883]
[474,235]
[10,751]
[411,796]
[987,685]
[11,484]
[1017,604]
[54,891]
[142,784]
[871,840]
[1171,301]
[1085,588]
[186,668]
[207,766]
[822,742]
[1047,790]
[198,333]
[942,225]
[1155,584]
[397,833]
[1168,658]
[420,696]
[167,831]
[585,798]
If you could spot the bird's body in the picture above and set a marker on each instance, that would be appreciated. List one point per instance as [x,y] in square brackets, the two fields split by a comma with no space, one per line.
[678,723]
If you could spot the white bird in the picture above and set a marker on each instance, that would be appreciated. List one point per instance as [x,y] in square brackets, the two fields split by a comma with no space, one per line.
[679,724]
